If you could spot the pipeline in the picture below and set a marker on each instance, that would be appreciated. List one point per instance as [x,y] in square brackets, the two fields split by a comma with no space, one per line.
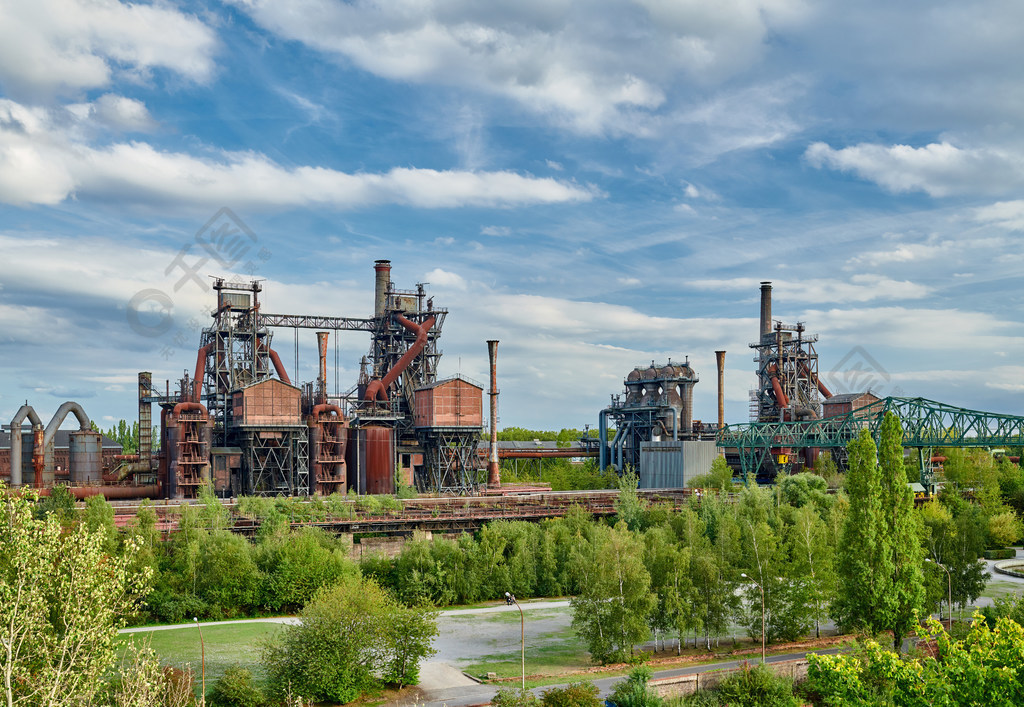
[493,468]
[197,382]
[189,407]
[320,409]
[817,381]
[278,366]
[109,492]
[23,412]
[780,397]
[378,389]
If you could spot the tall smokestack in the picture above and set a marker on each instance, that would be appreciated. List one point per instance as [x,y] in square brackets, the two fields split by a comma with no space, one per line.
[493,470]
[145,419]
[720,359]
[766,308]
[321,342]
[380,292]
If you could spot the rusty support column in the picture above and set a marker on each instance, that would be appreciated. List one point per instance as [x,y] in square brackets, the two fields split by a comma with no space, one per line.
[720,359]
[321,340]
[493,470]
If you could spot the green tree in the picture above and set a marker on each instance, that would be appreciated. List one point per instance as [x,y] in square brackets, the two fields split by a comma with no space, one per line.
[901,533]
[813,556]
[610,613]
[62,599]
[719,477]
[346,643]
[629,507]
[864,565]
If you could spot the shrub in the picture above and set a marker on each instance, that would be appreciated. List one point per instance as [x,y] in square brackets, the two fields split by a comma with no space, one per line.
[576,694]
[755,687]
[515,697]
[235,688]
[633,692]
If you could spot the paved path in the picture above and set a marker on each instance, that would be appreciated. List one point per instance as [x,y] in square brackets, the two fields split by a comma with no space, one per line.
[471,696]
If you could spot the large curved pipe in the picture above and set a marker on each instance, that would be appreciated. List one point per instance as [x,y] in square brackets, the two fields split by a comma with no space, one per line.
[320,409]
[817,381]
[276,360]
[197,382]
[23,412]
[781,399]
[189,407]
[70,406]
[378,389]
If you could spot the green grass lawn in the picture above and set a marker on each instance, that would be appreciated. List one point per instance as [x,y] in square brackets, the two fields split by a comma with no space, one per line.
[225,646]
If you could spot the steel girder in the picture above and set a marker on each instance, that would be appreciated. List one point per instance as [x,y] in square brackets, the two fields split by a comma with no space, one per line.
[926,424]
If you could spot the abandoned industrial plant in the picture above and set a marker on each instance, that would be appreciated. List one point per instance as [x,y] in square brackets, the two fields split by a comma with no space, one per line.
[240,425]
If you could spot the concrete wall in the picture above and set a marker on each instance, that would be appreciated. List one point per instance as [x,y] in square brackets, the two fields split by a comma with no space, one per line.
[684,685]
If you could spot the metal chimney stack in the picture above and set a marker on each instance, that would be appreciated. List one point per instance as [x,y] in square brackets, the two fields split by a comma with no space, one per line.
[493,469]
[382,268]
[766,309]
[720,359]
[321,342]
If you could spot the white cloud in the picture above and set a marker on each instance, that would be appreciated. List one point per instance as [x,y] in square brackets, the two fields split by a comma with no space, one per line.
[496,231]
[859,288]
[52,46]
[42,164]
[445,280]
[1006,214]
[115,112]
[557,166]
[918,329]
[938,169]
[591,67]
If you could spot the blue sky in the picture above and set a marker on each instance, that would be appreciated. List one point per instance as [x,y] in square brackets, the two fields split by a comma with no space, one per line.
[596,184]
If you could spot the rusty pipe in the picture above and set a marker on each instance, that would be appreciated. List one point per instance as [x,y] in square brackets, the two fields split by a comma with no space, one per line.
[780,397]
[109,492]
[321,342]
[720,361]
[493,467]
[817,381]
[320,409]
[197,381]
[189,407]
[378,389]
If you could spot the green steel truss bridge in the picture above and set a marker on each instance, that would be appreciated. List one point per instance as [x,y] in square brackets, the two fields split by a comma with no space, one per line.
[926,424]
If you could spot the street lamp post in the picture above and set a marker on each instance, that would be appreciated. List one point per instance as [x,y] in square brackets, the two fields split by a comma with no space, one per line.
[202,647]
[511,598]
[763,638]
[949,579]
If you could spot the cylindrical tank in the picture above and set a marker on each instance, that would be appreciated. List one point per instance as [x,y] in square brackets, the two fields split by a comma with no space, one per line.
[686,414]
[380,460]
[85,457]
